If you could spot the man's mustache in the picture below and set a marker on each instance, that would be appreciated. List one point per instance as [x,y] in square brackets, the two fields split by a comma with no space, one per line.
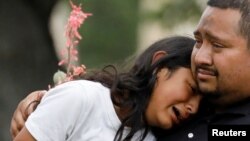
[206,69]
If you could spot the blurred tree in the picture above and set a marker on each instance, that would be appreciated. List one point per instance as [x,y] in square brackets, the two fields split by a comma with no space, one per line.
[172,13]
[27,56]
[109,36]
[180,11]
[165,18]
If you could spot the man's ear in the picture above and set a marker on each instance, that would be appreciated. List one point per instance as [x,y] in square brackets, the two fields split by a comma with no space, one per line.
[158,55]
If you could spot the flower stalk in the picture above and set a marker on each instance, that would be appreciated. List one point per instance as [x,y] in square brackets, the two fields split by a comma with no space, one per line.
[70,53]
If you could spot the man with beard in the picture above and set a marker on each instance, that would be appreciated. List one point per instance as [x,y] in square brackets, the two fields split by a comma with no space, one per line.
[221,66]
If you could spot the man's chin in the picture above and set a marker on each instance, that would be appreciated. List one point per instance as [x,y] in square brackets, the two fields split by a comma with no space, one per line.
[211,95]
[208,91]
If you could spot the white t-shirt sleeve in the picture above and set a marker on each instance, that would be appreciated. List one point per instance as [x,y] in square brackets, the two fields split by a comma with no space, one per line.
[57,114]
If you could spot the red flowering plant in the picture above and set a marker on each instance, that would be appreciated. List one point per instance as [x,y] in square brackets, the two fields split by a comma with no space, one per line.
[70,53]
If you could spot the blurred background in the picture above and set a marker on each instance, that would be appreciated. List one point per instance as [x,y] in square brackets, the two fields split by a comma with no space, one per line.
[32,33]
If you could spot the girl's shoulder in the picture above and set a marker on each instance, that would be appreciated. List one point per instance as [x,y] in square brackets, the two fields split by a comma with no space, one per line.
[80,84]
[78,89]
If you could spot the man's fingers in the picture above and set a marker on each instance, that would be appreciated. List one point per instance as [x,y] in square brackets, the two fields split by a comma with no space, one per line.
[23,110]
[40,95]
[17,123]
[13,129]
[31,108]
[28,105]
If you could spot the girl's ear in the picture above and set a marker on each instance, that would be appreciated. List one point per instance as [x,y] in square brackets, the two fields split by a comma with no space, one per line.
[158,55]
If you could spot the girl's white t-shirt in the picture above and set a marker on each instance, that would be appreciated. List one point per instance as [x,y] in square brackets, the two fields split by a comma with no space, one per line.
[77,111]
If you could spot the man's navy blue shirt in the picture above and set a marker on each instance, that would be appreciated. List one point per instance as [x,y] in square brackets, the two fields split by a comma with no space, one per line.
[197,129]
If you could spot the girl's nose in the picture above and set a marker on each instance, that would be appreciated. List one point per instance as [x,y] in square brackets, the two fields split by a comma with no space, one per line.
[193,105]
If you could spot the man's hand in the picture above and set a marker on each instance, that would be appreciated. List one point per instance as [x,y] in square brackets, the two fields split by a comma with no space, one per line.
[23,110]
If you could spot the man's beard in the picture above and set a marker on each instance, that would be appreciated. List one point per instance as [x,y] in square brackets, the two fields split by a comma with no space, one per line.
[211,96]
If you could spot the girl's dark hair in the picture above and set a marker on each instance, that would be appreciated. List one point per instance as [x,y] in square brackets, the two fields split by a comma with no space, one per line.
[133,89]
